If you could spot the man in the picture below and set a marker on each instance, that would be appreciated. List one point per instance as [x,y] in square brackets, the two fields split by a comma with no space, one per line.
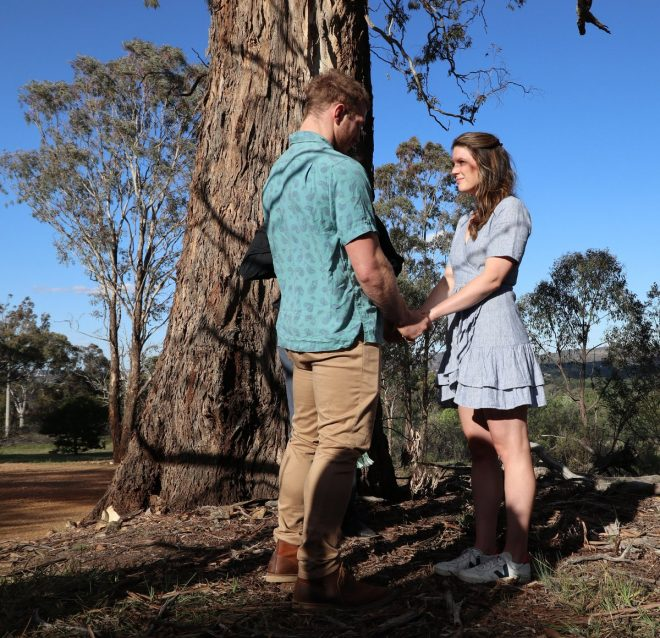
[337,287]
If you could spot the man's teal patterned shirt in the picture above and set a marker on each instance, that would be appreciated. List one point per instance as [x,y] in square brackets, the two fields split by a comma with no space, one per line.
[316,200]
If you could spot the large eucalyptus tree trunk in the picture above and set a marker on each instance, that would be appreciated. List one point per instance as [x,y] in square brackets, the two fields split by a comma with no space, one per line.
[213,425]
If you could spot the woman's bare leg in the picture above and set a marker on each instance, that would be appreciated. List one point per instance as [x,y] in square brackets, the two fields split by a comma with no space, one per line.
[508,432]
[487,487]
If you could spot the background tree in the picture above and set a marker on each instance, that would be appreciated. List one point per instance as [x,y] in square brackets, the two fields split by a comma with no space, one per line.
[34,389]
[416,197]
[111,176]
[43,367]
[77,424]
[631,390]
[77,371]
[23,337]
[585,291]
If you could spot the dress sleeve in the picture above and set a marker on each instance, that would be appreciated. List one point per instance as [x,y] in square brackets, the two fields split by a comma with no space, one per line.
[353,208]
[510,229]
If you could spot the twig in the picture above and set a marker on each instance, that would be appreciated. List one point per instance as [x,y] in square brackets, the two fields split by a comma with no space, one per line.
[453,608]
[39,566]
[643,542]
[612,559]
[625,612]
[336,622]
[400,620]
[585,537]
[167,604]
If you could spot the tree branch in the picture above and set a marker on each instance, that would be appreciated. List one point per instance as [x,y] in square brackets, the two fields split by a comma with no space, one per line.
[584,17]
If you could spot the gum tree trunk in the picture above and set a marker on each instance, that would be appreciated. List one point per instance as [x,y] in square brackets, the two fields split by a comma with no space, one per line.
[114,382]
[212,429]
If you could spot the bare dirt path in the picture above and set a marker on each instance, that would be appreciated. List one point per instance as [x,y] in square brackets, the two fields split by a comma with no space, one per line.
[36,498]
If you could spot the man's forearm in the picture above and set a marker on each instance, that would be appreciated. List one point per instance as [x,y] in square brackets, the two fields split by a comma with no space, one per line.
[379,284]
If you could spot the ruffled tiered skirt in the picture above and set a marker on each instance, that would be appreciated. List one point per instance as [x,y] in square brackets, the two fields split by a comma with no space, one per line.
[489,361]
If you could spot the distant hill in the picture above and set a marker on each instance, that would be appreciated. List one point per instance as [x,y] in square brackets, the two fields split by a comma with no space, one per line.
[548,364]
[595,366]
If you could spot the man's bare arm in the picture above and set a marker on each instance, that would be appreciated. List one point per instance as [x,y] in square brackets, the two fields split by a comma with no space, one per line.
[376,277]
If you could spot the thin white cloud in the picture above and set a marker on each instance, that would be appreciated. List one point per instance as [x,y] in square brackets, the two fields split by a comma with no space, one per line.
[76,290]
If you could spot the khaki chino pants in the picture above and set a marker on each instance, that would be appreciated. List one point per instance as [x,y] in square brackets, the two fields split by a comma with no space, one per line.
[335,396]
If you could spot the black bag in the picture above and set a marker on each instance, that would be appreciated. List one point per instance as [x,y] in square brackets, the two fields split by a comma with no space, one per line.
[258,260]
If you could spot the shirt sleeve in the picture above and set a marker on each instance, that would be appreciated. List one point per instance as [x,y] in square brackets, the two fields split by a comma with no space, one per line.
[353,208]
[510,229]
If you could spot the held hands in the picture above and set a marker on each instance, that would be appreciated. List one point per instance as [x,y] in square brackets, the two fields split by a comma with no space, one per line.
[418,323]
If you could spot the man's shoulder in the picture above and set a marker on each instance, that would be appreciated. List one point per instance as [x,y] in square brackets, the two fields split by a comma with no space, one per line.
[349,172]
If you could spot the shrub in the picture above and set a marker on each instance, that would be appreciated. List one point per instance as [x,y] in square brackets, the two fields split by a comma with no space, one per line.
[77,424]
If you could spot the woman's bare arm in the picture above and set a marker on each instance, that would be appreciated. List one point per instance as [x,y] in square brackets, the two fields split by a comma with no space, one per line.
[441,291]
[487,282]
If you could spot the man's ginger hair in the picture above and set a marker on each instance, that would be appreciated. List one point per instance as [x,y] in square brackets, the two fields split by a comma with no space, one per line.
[334,87]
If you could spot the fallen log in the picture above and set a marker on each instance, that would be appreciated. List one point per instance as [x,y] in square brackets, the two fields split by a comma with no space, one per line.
[645,485]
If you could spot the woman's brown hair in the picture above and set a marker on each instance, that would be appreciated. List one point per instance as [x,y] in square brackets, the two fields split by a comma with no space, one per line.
[496,175]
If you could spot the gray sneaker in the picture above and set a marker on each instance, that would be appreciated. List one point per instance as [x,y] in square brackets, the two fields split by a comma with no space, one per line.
[469,558]
[499,567]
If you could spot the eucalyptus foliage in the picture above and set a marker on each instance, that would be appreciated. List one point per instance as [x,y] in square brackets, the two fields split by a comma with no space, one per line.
[631,392]
[111,176]
[112,171]
[416,197]
[585,293]
[77,424]
[23,338]
[41,368]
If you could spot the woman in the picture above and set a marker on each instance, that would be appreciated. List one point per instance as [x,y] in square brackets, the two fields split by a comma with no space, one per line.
[489,369]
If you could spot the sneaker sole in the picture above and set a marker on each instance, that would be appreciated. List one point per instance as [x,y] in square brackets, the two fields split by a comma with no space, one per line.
[507,580]
[444,572]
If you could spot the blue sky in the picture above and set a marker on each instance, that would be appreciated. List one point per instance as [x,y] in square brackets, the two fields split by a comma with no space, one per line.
[585,143]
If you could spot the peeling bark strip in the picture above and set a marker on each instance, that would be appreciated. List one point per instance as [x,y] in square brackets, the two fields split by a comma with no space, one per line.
[212,429]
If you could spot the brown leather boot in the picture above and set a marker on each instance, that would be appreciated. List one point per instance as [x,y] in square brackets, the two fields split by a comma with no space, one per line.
[283,565]
[339,589]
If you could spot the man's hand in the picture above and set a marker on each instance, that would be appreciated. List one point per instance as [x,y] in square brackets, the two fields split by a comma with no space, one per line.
[391,333]
[419,323]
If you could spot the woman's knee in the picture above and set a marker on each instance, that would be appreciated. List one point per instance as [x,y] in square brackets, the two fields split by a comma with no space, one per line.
[481,449]
[513,453]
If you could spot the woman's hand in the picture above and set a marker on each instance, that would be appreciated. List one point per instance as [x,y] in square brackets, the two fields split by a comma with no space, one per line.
[421,323]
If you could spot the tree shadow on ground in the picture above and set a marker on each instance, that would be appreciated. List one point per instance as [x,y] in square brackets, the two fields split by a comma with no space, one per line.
[197,575]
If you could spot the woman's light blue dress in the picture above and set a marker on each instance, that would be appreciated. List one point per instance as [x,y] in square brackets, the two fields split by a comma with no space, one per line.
[489,361]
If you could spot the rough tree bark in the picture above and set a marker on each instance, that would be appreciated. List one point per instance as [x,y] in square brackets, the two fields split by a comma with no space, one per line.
[212,430]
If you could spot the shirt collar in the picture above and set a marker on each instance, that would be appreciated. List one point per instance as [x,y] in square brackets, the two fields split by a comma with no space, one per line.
[308,136]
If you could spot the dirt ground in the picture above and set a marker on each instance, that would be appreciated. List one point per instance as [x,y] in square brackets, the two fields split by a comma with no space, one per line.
[200,574]
[36,498]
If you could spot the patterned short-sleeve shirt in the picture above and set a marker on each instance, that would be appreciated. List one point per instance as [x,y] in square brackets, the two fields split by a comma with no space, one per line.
[316,200]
